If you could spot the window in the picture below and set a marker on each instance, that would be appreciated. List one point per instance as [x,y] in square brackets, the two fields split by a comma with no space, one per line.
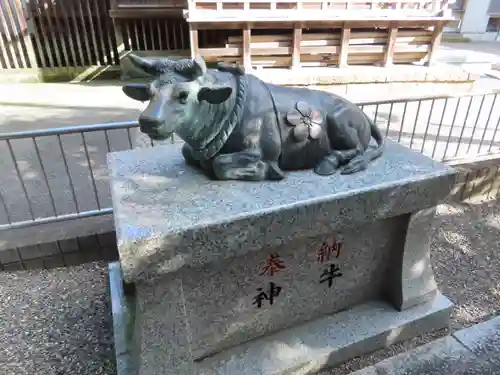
[458,5]
[493,25]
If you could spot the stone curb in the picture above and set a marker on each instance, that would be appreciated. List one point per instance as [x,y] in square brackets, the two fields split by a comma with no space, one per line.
[472,350]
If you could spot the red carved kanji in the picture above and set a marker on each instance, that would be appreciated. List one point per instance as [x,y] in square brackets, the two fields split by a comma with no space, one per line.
[273,264]
[325,251]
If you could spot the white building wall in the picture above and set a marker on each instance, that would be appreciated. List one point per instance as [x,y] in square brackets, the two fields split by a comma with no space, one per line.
[475,20]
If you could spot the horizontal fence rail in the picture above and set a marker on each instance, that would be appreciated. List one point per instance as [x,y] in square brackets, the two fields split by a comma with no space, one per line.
[60,174]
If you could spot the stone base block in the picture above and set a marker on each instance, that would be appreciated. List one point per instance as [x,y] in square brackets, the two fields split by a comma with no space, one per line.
[303,349]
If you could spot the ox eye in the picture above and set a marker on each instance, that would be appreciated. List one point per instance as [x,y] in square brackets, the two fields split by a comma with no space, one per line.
[183,95]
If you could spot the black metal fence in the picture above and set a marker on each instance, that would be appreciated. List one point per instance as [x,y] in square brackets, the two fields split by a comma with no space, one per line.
[60,174]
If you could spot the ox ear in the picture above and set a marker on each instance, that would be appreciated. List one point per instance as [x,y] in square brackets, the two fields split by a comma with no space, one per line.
[138,92]
[214,95]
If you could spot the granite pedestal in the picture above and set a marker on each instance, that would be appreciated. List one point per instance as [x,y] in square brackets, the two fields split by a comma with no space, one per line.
[285,277]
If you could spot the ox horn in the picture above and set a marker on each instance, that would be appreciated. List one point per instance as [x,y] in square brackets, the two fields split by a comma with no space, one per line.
[147,65]
[200,68]
[185,67]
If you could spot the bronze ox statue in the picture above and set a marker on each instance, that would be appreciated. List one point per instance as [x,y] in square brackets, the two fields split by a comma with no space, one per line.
[237,127]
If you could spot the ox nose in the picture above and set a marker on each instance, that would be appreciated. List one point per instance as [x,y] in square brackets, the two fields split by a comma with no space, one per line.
[148,124]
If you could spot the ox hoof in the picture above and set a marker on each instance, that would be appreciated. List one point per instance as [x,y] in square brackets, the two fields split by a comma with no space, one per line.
[327,167]
[355,165]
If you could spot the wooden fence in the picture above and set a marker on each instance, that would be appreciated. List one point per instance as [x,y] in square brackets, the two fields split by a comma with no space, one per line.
[16,51]
[50,34]
[83,33]
[80,33]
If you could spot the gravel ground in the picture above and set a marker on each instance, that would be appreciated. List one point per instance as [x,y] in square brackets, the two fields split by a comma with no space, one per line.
[466,263]
[58,321]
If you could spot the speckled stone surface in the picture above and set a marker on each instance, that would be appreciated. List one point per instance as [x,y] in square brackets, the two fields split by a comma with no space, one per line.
[169,215]
[483,339]
[220,298]
[411,279]
[197,249]
[303,349]
[324,343]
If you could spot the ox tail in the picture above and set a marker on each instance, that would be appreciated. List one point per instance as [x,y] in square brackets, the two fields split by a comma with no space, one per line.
[361,162]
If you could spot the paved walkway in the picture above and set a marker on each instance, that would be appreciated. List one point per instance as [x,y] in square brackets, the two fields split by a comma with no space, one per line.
[470,351]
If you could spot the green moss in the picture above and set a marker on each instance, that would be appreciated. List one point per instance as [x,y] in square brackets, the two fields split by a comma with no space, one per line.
[65,74]
[455,39]
[70,73]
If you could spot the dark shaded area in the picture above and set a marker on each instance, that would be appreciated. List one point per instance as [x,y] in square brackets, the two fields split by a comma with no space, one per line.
[63,253]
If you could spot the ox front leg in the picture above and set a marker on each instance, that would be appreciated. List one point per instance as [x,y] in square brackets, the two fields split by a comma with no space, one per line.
[244,165]
[204,165]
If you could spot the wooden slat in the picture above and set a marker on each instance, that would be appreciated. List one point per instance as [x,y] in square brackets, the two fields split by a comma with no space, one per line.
[53,35]
[145,13]
[44,34]
[144,35]
[334,42]
[295,16]
[328,36]
[18,24]
[4,52]
[193,41]
[67,25]
[159,34]
[327,24]
[88,13]
[335,50]
[435,42]
[9,39]
[37,39]
[60,29]
[30,47]
[79,15]
[247,57]
[391,44]
[176,40]
[344,45]
[109,30]
[341,4]
[314,61]
[99,26]
[297,36]
[182,37]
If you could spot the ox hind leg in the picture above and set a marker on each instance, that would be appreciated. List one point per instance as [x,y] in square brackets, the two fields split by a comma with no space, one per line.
[245,165]
[347,145]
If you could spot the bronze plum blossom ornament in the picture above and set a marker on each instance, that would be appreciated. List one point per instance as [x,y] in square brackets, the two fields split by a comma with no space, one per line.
[307,122]
[237,127]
